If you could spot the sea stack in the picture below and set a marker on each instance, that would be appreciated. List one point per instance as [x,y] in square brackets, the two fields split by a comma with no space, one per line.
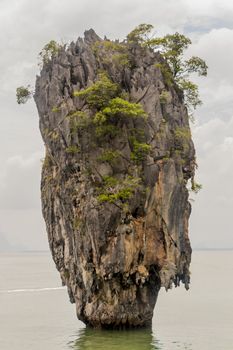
[119,155]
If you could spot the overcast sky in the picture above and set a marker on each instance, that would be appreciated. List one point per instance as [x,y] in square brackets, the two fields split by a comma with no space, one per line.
[27,25]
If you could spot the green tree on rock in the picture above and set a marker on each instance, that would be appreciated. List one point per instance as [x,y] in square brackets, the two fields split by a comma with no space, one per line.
[140,34]
[23,94]
[175,68]
[49,51]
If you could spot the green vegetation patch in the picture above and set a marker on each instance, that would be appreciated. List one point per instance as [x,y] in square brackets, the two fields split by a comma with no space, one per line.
[55,109]
[100,93]
[175,68]
[164,97]
[23,94]
[110,156]
[49,51]
[121,59]
[140,34]
[183,134]
[119,107]
[140,150]
[182,138]
[108,45]
[115,190]
[106,131]
[73,149]
[78,120]
[166,72]
[111,52]
[106,97]
[196,187]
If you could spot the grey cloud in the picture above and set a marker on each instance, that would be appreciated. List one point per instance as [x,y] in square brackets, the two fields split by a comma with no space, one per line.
[26,26]
[216,47]
[24,229]
[19,188]
[212,209]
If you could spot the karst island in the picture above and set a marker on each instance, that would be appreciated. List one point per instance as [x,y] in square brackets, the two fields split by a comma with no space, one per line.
[120,163]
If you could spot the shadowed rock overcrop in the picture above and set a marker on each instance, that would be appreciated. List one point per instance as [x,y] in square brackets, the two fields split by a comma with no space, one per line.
[119,155]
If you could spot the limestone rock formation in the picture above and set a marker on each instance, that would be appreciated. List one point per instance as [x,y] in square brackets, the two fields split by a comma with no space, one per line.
[119,155]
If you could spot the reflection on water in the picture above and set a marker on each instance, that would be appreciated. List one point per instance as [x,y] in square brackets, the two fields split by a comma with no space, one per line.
[89,339]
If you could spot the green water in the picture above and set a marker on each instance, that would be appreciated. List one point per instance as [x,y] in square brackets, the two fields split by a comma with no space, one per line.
[89,339]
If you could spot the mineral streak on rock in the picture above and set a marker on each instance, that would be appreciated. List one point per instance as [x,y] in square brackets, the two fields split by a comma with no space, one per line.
[114,194]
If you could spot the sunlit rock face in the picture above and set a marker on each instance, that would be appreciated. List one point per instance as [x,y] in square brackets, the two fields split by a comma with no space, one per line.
[114,194]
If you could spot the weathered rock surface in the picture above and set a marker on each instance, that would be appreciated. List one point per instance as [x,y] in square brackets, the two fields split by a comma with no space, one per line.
[115,256]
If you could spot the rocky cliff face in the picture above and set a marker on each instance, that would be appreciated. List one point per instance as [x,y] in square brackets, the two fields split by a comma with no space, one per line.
[118,157]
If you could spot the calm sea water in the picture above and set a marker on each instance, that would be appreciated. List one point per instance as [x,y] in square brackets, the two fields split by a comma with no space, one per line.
[35,313]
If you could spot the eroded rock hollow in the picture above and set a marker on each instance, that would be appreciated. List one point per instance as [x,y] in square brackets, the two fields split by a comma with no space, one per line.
[119,155]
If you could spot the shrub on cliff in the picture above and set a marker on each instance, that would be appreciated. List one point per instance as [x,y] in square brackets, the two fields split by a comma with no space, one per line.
[175,67]
[49,51]
[109,104]
[100,93]
[23,94]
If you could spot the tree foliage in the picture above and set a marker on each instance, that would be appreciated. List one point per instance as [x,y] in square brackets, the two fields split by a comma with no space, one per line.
[191,93]
[110,156]
[49,51]
[175,67]
[140,34]
[120,107]
[172,48]
[78,121]
[106,97]
[140,150]
[100,93]
[115,190]
[23,94]
[111,53]
[195,186]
